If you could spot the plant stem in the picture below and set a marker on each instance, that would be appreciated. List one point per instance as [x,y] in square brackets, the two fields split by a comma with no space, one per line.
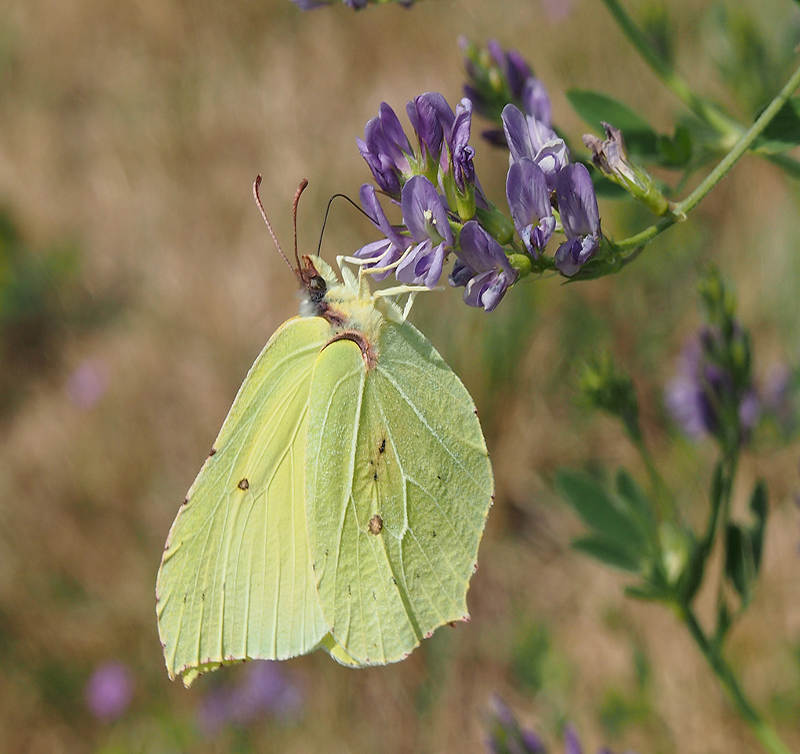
[741,146]
[681,209]
[709,113]
[763,731]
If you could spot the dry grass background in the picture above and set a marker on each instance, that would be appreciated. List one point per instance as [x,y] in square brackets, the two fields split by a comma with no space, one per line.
[136,129]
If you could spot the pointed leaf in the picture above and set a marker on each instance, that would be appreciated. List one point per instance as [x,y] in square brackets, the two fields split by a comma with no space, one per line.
[608,552]
[596,108]
[599,510]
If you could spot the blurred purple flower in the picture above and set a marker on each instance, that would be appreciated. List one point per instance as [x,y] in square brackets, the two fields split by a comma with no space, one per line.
[529,202]
[557,10]
[779,397]
[109,691]
[425,216]
[386,250]
[386,150]
[263,691]
[482,267]
[529,137]
[702,388]
[580,218]
[87,383]
[572,744]
[506,736]
[536,101]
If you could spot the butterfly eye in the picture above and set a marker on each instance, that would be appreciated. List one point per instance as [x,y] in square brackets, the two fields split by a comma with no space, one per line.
[317,288]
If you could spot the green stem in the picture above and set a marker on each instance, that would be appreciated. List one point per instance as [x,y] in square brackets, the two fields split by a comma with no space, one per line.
[741,146]
[665,502]
[681,209]
[709,113]
[763,731]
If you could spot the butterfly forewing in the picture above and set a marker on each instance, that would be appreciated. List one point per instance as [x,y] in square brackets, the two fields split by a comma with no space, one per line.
[236,580]
[398,488]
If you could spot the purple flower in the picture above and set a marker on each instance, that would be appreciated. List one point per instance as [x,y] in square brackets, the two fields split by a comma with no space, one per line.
[461,153]
[87,384]
[425,217]
[580,218]
[482,267]
[529,137]
[262,690]
[529,202]
[572,744]
[387,250]
[514,67]
[432,119]
[536,101]
[779,397]
[507,736]
[386,150]
[109,691]
[703,390]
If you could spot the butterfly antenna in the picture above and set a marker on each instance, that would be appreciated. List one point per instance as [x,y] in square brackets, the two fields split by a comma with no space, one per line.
[300,189]
[328,209]
[256,185]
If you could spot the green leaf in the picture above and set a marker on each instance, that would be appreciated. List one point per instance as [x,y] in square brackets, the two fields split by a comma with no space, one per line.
[789,165]
[783,131]
[759,508]
[675,151]
[608,552]
[596,108]
[744,545]
[599,511]
[692,576]
[739,567]
[635,498]
[607,189]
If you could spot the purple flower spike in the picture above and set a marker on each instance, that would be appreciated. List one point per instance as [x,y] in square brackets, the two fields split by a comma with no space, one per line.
[580,218]
[536,101]
[572,744]
[483,267]
[386,150]
[387,250]
[529,202]
[426,218]
[529,137]
[432,119]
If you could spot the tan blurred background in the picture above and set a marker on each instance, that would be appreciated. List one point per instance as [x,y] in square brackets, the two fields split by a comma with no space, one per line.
[131,132]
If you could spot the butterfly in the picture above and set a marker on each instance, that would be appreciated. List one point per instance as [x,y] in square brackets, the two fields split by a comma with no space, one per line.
[343,501]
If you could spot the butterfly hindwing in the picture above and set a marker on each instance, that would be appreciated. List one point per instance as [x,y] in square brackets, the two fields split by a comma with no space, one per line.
[235,580]
[397,491]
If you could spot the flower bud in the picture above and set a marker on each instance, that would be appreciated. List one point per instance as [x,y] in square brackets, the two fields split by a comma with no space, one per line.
[610,158]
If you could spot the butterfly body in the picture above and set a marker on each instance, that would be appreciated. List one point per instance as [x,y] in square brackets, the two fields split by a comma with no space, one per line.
[344,501]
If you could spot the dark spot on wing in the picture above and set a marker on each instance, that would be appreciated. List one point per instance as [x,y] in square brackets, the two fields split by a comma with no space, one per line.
[213,450]
[382,447]
[375,524]
[243,484]
[375,477]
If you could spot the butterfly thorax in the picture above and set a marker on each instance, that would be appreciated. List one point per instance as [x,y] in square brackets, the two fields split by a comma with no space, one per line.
[348,306]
